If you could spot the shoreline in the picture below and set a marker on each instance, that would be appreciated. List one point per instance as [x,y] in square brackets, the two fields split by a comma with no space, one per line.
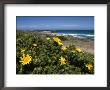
[80,36]
[86,44]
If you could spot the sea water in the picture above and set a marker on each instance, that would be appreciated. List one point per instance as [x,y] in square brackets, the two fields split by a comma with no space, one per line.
[76,33]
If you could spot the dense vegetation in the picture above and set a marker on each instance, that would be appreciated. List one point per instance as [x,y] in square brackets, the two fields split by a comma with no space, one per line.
[43,54]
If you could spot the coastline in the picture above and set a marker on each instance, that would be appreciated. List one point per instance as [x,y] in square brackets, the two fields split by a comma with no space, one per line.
[86,44]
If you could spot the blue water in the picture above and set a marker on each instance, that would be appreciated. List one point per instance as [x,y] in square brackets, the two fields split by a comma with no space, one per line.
[76,33]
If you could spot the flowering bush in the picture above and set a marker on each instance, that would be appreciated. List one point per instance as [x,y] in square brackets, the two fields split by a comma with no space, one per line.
[37,53]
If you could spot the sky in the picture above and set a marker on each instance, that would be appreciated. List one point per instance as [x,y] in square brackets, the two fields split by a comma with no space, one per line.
[55,22]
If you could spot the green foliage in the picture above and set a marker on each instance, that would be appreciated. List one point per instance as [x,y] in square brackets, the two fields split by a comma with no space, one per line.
[46,56]
[62,37]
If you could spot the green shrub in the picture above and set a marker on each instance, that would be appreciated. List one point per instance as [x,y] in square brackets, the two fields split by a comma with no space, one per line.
[63,38]
[38,55]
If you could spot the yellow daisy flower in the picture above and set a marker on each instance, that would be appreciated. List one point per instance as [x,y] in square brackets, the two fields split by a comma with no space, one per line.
[34,45]
[89,66]
[57,40]
[60,44]
[63,48]
[78,50]
[62,60]
[25,59]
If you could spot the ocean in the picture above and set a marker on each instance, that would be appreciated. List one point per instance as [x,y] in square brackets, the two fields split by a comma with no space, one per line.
[76,33]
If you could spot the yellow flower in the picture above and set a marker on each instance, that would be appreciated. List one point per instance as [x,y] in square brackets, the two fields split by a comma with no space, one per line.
[62,60]
[60,43]
[48,38]
[63,48]
[89,66]
[78,50]
[22,50]
[57,40]
[25,59]
[34,45]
